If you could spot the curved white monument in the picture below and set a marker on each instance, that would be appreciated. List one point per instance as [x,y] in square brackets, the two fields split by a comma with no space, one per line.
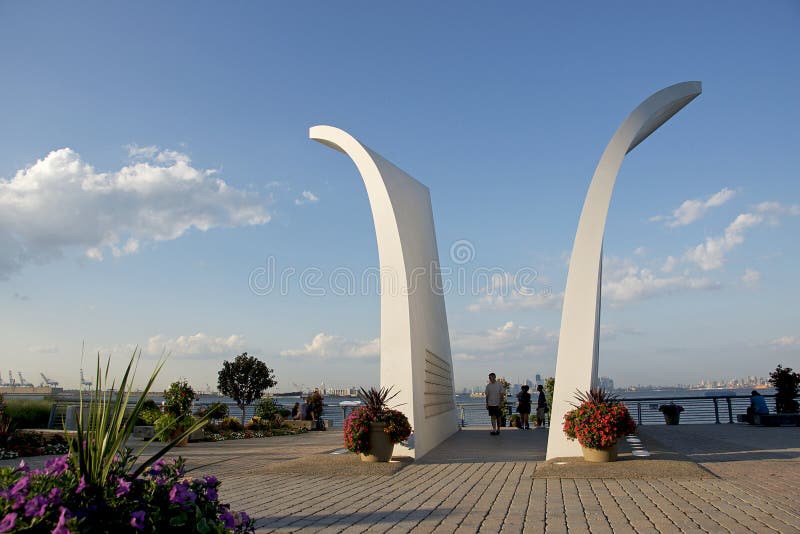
[578,344]
[415,343]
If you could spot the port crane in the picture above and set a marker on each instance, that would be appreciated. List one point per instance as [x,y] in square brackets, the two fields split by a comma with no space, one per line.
[84,382]
[47,381]
[11,381]
[22,381]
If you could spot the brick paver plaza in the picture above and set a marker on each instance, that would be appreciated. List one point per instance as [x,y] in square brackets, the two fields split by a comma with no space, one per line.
[699,478]
[741,479]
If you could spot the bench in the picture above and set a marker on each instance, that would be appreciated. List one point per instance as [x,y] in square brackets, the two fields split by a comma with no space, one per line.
[773,419]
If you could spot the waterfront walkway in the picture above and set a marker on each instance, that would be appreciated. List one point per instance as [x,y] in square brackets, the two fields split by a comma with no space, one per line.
[698,478]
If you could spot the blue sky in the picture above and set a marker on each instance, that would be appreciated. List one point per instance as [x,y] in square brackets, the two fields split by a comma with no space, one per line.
[120,121]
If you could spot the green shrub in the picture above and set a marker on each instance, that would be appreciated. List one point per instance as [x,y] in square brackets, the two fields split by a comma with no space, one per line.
[267,408]
[232,424]
[28,413]
[257,423]
[149,404]
[149,416]
[178,398]
[168,425]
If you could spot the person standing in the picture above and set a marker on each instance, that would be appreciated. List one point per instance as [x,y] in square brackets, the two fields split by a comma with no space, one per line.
[494,396]
[541,406]
[524,407]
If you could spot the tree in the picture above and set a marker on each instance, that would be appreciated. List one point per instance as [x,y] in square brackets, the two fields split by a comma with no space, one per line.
[786,384]
[244,380]
[549,390]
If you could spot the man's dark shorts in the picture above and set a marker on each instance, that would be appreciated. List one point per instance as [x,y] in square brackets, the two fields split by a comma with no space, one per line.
[494,411]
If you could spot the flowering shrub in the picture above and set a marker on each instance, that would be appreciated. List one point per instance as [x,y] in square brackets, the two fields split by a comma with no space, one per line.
[178,398]
[232,424]
[258,424]
[599,421]
[56,498]
[356,428]
[374,410]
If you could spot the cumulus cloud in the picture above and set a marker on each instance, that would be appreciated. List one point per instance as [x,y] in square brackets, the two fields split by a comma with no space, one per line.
[61,201]
[199,344]
[669,264]
[785,342]
[751,277]
[506,291]
[508,341]
[710,254]
[306,197]
[624,281]
[691,210]
[329,346]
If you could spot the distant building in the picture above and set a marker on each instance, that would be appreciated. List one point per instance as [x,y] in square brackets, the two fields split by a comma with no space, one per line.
[605,383]
[538,378]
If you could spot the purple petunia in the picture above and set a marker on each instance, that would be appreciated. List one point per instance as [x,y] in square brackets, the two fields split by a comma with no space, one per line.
[81,485]
[211,494]
[56,466]
[37,506]
[211,480]
[137,519]
[180,493]
[21,487]
[123,487]
[61,526]
[8,522]
[23,467]
[227,518]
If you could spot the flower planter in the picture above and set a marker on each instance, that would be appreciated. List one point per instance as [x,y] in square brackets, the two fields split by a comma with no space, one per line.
[607,454]
[672,419]
[178,432]
[380,448]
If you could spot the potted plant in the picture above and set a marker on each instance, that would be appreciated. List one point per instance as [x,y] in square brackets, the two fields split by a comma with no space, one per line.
[373,429]
[672,413]
[598,422]
[177,416]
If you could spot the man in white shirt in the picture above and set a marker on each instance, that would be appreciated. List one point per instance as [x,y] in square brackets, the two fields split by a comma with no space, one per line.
[494,396]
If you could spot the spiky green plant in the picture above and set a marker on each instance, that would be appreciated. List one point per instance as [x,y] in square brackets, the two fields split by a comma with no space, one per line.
[375,400]
[104,426]
[596,396]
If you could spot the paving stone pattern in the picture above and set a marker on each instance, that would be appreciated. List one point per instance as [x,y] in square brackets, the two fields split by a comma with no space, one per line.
[474,482]
[480,483]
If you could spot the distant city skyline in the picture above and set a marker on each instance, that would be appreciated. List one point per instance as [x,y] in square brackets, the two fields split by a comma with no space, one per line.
[158,188]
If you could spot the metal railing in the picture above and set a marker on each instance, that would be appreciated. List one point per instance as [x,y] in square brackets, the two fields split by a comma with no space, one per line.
[696,409]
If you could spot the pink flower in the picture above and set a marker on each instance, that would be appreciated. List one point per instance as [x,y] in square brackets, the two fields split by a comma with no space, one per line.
[123,487]
[137,519]
[8,522]
[61,526]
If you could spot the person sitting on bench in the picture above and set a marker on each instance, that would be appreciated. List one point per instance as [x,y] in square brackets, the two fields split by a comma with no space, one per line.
[758,406]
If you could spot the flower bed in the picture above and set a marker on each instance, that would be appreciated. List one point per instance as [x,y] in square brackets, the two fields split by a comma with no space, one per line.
[223,435]
[33,443]
[161,499]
